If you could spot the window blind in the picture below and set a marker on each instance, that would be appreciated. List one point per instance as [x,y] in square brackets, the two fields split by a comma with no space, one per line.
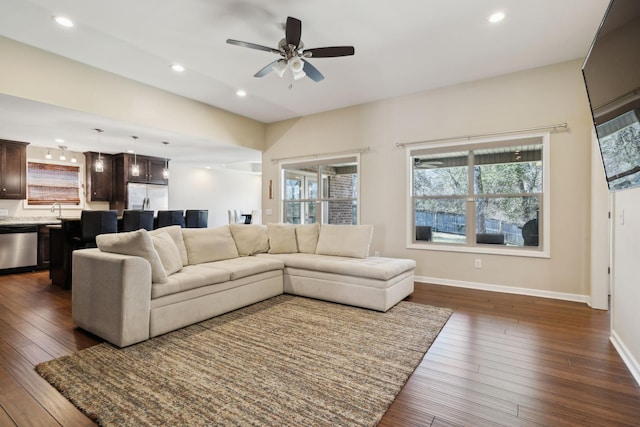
[48,183]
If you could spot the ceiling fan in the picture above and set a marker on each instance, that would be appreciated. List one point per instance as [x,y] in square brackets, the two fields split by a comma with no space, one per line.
[426,164]
[294,55]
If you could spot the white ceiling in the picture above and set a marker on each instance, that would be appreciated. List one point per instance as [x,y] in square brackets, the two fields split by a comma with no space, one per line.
[402,46]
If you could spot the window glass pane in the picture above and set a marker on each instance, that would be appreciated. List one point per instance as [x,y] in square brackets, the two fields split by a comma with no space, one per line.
[508,170]
[292,212]
[446,217]
[501,220]
[292,187]
[441,175]
[341,212]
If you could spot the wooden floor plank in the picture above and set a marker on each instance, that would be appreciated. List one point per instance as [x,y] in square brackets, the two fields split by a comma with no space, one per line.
[501,360]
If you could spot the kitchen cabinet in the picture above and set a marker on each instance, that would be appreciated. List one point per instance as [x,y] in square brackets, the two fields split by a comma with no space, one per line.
[13,170]
[150,169]
[150,173]
[99,184]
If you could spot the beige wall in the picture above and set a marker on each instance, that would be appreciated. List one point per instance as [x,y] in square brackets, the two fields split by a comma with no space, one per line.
[538,97]
[34,74]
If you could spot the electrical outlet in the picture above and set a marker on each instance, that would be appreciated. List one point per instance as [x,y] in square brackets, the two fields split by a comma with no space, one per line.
[268,212]
[478,263]
[376,253]
[4,212]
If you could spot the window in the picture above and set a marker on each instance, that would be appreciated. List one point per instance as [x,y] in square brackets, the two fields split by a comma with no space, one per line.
[323,191]
[488,196]
[48,183]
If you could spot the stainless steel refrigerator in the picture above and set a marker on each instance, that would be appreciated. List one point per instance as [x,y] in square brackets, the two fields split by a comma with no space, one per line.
[147,196]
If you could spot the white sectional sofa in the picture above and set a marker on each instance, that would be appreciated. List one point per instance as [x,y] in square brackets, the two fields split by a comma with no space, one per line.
[141,284]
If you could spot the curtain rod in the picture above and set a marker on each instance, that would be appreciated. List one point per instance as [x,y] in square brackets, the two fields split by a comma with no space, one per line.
[358,150]
[481,135]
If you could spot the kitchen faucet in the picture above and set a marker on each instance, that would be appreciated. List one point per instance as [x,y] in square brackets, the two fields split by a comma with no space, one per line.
[53,209]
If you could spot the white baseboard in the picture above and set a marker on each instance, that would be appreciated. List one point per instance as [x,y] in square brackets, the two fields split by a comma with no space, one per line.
[506,289]
[626,356]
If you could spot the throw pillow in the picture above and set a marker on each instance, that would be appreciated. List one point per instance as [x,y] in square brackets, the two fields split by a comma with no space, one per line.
[209,244]
[168,252]
[345,240]
[175,232]
[307,237]
[136,243]
[282,238]
[250,238]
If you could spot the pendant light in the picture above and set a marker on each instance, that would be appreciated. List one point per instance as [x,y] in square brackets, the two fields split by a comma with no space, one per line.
[135,169]
[99,165]
[165,171]
[62,155]
[48,155]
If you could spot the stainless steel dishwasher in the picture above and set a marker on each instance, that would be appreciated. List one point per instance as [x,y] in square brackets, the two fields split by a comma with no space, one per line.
[18,246]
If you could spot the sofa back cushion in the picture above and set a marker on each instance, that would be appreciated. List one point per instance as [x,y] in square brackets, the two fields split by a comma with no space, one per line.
[282,239]
[168,252]
[209,244]
[345,240]
[175,231]
[307,237]
[136,243]
[250,239]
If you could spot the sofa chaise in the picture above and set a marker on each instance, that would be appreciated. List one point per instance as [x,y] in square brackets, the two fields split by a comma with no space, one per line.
[142,284]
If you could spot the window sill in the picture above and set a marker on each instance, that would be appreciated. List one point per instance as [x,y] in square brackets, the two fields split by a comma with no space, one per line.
[484,249]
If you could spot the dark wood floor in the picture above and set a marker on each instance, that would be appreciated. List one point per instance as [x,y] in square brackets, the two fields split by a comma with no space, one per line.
[500,360]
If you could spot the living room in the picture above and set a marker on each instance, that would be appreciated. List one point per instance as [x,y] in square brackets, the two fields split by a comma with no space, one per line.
[577,248]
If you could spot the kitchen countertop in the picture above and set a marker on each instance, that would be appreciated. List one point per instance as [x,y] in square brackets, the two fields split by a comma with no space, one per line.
[30,220]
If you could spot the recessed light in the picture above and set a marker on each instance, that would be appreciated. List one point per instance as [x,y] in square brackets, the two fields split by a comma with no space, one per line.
[207,167]
[241,93]
[64,21]
[59,140]
[496,17]
[178,68]
[130,151]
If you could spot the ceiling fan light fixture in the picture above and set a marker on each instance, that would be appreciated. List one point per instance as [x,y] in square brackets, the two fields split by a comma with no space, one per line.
[280,68]
[296,65]
[297,75]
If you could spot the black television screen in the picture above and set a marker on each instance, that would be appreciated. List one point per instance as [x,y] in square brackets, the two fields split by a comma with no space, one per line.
[611,73]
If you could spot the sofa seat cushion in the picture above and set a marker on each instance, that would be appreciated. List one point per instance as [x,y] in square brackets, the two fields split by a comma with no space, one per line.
[238,268]
[190,277]
[316,277]
[273,276]
[372,267]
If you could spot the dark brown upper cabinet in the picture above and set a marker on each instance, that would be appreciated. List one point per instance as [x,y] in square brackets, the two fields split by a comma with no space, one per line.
[99,184]
[13,170]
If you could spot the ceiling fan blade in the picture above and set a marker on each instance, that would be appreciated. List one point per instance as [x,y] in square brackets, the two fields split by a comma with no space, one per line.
[266,70]
[330,52]
[293,31]
[252,46]
[312,72]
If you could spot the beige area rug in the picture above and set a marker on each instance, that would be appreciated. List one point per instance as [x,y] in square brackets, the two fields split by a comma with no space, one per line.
[287,361]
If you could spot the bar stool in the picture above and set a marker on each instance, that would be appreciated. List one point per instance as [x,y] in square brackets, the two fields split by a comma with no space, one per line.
[93,223]
[167,218]
[196,218]
[133,220]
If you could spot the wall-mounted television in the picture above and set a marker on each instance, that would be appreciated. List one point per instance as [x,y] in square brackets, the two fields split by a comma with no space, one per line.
[611,73]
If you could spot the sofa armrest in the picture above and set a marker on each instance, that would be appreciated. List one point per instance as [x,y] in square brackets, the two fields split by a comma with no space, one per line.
[111,295]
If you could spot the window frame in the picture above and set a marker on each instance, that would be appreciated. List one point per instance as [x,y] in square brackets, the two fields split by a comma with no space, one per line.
[328,160]
[544,225]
